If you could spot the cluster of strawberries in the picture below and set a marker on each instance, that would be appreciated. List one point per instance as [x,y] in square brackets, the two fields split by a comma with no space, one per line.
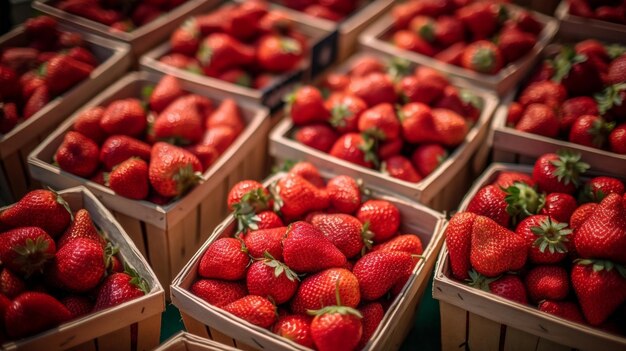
[385,116]
[528,239]
[603,10]
[154,149]
[56,267]
[52,62]
[243,44]
[120,15]
[306,248]
[578,95]
[334,10]
[482,36]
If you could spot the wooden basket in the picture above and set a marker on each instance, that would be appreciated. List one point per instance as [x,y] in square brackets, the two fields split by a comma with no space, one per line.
[586,28]
[167,235]
[480,320]
[322,54]
[19,142]
[374,38]
[108,329]
[188,342]
[208,321]
[442,190]
[140,40]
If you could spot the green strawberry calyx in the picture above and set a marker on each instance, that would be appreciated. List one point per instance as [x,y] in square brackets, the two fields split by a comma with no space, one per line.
[290,46]
[33,255]
[369,147]
[275,193]
[205,54]
[472,99]
[61,201]
[600,130]
[484,60]
[522,201]
[600,265]
[186,178]
[398,68]
[564,61]
[109,252]
[245,211]
[339,113]
[569,167]
[427,31]
[610,97]
[479,281]
[615,50]
[339,309]
[136,279]
[279,267]
[589,194]
[551,236]
[368,238]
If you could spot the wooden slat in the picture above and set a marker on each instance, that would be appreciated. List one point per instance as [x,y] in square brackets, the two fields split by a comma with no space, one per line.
[189,241]
[159,252]
[194,327]
[132,226]
[517,340]
[6,195]
[149,333]
[24,152]
[15,174]
[221,337]
[453,321]
[484,334]
[246,347]
[176,246]
[547,345]
[503,156]
[118,340]
[87,346]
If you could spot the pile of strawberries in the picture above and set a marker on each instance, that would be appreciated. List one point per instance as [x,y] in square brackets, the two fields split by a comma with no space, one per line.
[385,116]
[243,44]
[31,76]
[120,15]
[481,36]
[155,148]
[56,267]
[310,261]
[548,240]
[334,10]
[579,95]
[603,10]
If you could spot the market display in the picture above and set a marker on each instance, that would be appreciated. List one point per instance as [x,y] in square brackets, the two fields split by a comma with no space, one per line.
[608,11]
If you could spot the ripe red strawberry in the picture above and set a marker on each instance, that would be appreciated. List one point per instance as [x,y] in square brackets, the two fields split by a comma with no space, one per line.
[275,22]
[207,155]
[423,26]
[271,279]
[345,110]
[81,227]
[253,309]
[34,312]
[41,27]
[546,92]
[547,240]
[165,92]
[490,201]
[130,179]
[265,240]
[238,77]
[603,234]
[590,130]
[186,38]
[8,116]
[298,196]
[119,148]
[63,72]
[463,102]
[528,23]
[241,22]
[318,136]
[249,193]
[427,157]
[323,12]
[219,52]
[577,74]
[87,123]
[483,57]
[218,292]
[10,83]
[37,101]
[226,114]
[180,123]
[295,327]
[181,61]
[449,30]
[380,121]
[355,148]
[79,265]
[509,286]
[559,173]
[515,43]
[564,309]
[378,271]
[479,18]
[125,117]
[539,119]
[344,194]
[118,288]
[83,55]
[390,148]
[596,189]
[559,206]
[374,89]
[547,283]
[344,231]
[145,13]
[580,8]
[452,55]
[320,289]
[373,314]
[401,168]
[41,208]
[366,64]
[309,172]
[277,53]
[408,40]
[610,14]
[575,107]
[506,179]
[383,218]
[306,105]
[450,127]
[77,305]
[19,59]
[269,220]
[307,250]
[617,139]
[26,250]
[336,328]
[495,249]
[173,171]
[516,110]
[11,285]
[414,89]
[418,123]
[581,214]
[226,259]
[410,243]
[219,138]
[616,73]
[600,289]
[77,154]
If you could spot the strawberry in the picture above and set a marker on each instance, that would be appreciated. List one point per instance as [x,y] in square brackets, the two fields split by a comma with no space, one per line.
[401,168]
[450,127]
[547,92]
[451,55]
[366,64]
[207,155]
[77,154]
[83,55]
[219,51]
[596,189]
[306,105]
[77,305]
[335,82]
[603,234]
[463,102]
[483,57]
[119,148]
[81,227]
[218,292]
[590,130]
[610,101]
[26,250]
[41,27]
[495,249]
[181,61]
[130,179]
[600,287]
[63,72]
[37,101]
[479,18]
[236,76]
[407,243]
[564,309]
[592,48]
[173,171]
[295,327]
[271,279]
[580,8]
[516,110]
[145,13]
[559,206]
[79,265]
[87,123]
[417,123]
[186,38]
[408,40]
[373,314]
[547,283]
[298,196]
[241,22]
[118,288]
[309,172]
[490,201]
[528,23]
[248,196]
[383,218]
[307,250]
[344,231]
[9,83]
[34,312]
[617,139]
[253,309]
[275,21]
[41,208]
[336,328]
[378,271]
[514,43]
[220,138]
[11,285]
[616,73]
[180,123]
[402,13]
[260,82]
[19,59]
[226,259]
[269,220]
[165,92]
[577,74]
[226,114]
[610,14]
[318,136]
[8,117]
[345,110]
[423,26]
[374,89]
[427,157]
[573,108]
[508,286]
[344,194]
[125,117]
[414,89]
[559,173]
[389,148]
[581,214]
[506,179]
[322,12]
[539,119]
[449,31]
[380,121]
[277,53]
[547,239]
[319,290]
[355,148]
